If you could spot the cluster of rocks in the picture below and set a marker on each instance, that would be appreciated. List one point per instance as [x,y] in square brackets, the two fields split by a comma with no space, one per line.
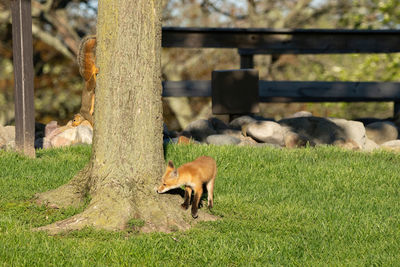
[50,135]
[301,129]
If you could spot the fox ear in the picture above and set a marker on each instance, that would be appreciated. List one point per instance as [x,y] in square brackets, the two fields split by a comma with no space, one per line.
[170,164]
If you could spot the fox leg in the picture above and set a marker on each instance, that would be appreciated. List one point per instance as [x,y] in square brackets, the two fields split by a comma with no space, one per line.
[195,205]
[210,193]
[188,194]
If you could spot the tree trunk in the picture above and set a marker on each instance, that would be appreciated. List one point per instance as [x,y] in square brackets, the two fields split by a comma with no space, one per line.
[127,158]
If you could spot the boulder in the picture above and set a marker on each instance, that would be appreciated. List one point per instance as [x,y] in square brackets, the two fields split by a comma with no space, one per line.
[7,134]
[199,130]
[84,135]
[301,114]
[218,124]
[247,141]
[318,131]
[266,132]
[184,140]
[241,121]
[65,138]
[50,127]
[222,139]
[370,145]
[351,130]
[382,131]
[347,144]
[294,140]
[234,133]
[393,145]
[59,141]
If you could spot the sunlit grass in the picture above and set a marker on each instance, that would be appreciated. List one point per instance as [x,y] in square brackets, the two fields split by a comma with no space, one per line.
[313,206]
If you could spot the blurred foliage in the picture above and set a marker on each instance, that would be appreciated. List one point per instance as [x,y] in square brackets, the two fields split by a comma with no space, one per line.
[61,23]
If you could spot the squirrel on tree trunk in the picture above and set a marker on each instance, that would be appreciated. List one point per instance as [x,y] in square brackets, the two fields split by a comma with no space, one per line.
[88,70]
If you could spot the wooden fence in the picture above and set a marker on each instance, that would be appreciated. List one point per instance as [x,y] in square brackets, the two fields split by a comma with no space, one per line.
[249,42]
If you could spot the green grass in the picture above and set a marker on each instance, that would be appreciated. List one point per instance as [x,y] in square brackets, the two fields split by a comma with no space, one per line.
[312,207]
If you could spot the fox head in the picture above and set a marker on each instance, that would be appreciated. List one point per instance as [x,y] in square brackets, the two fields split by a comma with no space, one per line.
[170,179]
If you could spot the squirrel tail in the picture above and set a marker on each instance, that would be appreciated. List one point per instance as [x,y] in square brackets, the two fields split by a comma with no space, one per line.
[87,58]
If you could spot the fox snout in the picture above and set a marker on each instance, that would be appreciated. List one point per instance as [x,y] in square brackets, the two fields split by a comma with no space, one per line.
[161,189]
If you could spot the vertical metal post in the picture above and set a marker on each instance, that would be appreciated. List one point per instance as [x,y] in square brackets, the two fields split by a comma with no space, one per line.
[23,76]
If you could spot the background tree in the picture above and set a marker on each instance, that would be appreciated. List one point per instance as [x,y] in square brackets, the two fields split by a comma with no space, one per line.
[127,158]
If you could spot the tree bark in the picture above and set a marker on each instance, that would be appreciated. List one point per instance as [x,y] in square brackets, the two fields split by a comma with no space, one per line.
[127,158]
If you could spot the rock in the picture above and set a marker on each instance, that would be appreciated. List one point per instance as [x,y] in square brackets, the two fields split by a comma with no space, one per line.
[381,132]
[49,128]
[352,130]
[218,124]
[59,141]
[234,133]
[301,114]
[184,140]
[241,121]
[347,144]
[294,140]
[247,141]
[266,132]
[320,131]
[84,135]
[57,131]
[222,139]
[7,134]
[10,145]
[46,143]
[393,145]
[370,145]
[65,138]
[199,130]
[83,123]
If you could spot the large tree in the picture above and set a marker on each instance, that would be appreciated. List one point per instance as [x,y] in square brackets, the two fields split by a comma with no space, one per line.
[127,157]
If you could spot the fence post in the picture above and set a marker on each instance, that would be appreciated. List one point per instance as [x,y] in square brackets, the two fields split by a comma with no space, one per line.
[246,58]
[23,76]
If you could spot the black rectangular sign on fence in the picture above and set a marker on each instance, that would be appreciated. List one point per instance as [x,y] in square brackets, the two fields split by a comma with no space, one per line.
[234,91]
[23,76]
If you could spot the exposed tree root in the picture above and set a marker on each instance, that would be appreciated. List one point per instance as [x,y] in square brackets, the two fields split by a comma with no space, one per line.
[112,210]
[71,194]
[103,213]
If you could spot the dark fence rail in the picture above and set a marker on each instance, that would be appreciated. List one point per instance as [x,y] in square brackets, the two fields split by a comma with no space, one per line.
[284,91]
[284,41]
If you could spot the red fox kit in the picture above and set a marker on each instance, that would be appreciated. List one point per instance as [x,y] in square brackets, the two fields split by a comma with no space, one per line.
[192,175]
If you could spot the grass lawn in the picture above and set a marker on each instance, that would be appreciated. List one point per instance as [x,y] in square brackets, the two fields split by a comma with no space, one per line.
[312,206]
